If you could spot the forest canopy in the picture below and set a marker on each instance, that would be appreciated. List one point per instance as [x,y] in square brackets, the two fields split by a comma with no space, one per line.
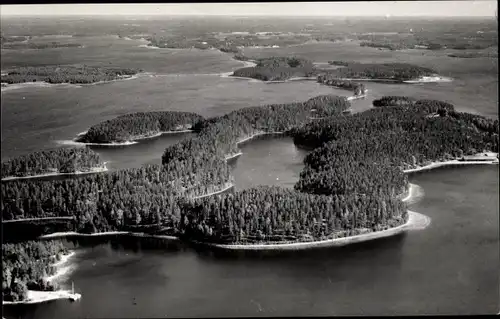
[139,125]
[27,265]
[66,74]
[61,160]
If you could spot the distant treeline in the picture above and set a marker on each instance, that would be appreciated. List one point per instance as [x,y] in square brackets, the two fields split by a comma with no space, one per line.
[66,74]
[283,68]
[339,63]
[277,69]
[39,46]
[385,45]
[424,105]
[388,71]
[138,125]
[62,160]
[470,55]
[26,266]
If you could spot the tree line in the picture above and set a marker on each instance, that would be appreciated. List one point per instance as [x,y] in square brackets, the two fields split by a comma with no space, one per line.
[66,74]
[274,214]
[61,160]
[356,87]
[136,125]
[424,105]
[367,151]
[277,69]
[392,71]
[26,266]
[39,46]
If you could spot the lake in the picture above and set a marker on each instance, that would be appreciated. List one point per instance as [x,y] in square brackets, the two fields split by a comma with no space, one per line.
[448,268]
[451,267]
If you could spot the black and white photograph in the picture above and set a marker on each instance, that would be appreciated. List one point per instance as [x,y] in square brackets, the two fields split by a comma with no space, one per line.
[239,159]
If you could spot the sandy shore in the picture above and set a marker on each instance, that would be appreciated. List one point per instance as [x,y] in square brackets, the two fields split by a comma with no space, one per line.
[231,156]
[109,233]
[123,78]
[75,234]
[257,134]
[91,171]
[37,219]
[36,296]
[415,221]
[227,187]
[452,163]
[430,79]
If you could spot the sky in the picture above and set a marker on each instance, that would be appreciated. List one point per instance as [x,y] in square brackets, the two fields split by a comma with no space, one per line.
[358,8]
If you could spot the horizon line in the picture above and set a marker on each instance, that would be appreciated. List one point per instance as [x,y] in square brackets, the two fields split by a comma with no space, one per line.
[242,15]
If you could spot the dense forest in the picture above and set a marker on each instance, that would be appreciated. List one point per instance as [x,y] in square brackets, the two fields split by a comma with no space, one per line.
[66,74]
[390,71]
[350,183]
[104,202]
[148,195]
[277,69]
[61,160]
[356,87]
[427,106]
[137,125]
[401,136]
[26,265]
[273,214]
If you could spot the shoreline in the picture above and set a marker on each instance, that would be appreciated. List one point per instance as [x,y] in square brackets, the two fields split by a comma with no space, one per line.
[454,162]
[126,143]
[248,138]
[415,221]
[38,296]
[231,185]
[92,171]
[231,156]
[37,219]
[43,84]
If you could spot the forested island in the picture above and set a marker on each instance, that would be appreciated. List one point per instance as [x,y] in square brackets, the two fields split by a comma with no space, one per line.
[26,266]
[285,68]
[150,194]
[66,74]
[53,162]
[351,183]
[396,72]
[356,87]
[277,69]
[139,125]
